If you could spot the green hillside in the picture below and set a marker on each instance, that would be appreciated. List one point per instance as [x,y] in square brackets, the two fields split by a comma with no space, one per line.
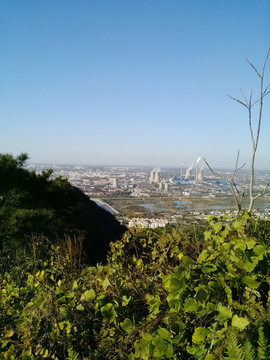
[33,205]
[186,293]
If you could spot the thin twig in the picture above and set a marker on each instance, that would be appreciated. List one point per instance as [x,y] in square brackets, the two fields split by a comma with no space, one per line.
[253,67]
[244,190]
[264,191]
[264,95]
[244,96]
[239,101]
[215,173]
[266,88]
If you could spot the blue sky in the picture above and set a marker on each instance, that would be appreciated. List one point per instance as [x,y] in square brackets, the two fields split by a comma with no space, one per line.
[138,82]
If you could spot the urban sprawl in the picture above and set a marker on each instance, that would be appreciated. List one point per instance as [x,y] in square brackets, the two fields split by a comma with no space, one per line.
[147,197]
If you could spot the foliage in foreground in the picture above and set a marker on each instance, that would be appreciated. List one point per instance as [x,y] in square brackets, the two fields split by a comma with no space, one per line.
[163,295]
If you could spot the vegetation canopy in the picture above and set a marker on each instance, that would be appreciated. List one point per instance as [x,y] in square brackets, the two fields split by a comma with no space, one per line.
[163,294]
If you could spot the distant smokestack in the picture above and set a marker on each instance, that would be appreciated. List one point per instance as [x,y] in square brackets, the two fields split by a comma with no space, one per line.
[160,187]
[181,171]
[166,187]
[188,173]
[200,175]
[152,176]
[115,183]
[156,178]
[197,162]
[190,168]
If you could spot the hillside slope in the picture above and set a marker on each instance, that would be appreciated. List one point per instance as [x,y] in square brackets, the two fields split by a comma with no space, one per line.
[33,205]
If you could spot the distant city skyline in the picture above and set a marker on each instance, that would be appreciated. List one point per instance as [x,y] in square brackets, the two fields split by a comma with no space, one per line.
[150,167]
[140,83]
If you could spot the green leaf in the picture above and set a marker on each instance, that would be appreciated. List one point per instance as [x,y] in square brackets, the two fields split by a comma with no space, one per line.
[199,335]
[250,282]
[154,303]
[162,345]
[224,312]
[9,333]
[106,283]
[144,347]
[127,325]
[88,295]
[250,244]
[240,244]
[210,357]
[203,256]
[162,348]
[190,305]
[246,215]
[80,307]
[126,300]
[207,268]
[130,356]
[249,266]
[240,322]
[164,333]
[46,353]
[207,234]
[259,249]
[217,227]
[237,225]
[198,350]
[173,285]
[69,327]
[108,312]
[166,280]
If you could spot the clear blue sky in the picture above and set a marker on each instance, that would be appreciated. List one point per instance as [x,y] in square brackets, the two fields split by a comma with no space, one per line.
[137,82]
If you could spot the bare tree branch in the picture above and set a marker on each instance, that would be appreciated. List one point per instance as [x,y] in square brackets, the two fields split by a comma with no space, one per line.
[255,135]
[252,198]
[265,60]
[264,191]
[250,120]
[267,87]
[212,171]
[253,67]
[244,190]
[239,101]
[231,182]
[264,95]
[244,96]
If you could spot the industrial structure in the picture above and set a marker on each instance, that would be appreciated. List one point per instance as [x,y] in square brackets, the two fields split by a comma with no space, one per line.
[188,172]
[154,176]
[115,183]
[200,175]
[156,179]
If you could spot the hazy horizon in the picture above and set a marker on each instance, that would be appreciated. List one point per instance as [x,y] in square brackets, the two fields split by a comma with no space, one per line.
[148,166]
[134,82]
